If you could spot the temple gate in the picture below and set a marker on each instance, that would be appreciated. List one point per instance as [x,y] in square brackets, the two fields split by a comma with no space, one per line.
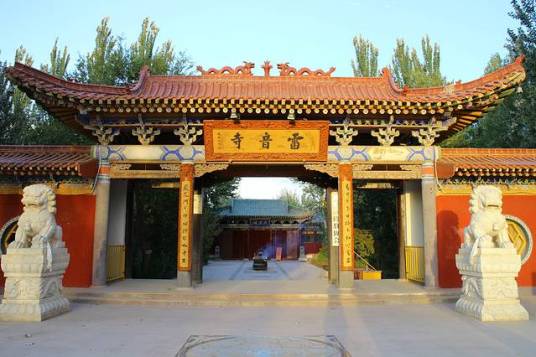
[188,131]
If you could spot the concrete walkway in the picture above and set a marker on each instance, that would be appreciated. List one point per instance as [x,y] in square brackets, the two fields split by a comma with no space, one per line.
[219,270]
[371,330]
[282,278]
[294,299]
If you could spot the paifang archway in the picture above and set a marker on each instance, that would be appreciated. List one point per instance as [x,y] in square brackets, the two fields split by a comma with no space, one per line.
[184,128]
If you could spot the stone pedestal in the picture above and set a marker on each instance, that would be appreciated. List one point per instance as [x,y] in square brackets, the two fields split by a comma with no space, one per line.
[490,290]
[33,290]
[346,279]
[303,257]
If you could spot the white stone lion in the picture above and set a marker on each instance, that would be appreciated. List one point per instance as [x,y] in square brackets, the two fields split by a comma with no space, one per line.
[37,226]
[488,227]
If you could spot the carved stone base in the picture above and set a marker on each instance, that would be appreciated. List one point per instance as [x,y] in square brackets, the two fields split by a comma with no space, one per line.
[490,291]
[33,290]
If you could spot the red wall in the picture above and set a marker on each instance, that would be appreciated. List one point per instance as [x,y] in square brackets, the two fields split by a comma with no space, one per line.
[312,247]
[10,207]
[453,216]
[76,216]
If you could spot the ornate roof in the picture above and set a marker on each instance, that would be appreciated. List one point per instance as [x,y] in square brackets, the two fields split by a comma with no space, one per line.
[262,208]
[299,91]
[471,162]
[47,161]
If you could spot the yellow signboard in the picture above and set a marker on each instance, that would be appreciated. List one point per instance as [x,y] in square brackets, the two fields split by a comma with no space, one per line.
[346,227]
[184,225]
[266,140]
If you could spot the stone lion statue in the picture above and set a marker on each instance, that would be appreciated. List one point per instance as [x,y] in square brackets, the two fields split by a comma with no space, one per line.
[488,227]
[37,226]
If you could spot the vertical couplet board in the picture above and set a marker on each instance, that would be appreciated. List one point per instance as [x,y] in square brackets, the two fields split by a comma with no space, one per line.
[184,249]
[346,217]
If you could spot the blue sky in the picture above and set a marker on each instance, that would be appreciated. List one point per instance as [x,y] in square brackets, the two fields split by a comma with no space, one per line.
[315,34]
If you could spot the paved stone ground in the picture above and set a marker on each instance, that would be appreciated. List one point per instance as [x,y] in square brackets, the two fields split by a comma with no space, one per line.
[367,330]
[220,270]
[364,330]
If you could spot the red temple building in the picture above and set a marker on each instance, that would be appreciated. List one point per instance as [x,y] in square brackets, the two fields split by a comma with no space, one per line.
[186,132]
[251,225]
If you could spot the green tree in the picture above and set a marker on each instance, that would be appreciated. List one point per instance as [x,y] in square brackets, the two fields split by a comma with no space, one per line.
[495,62]
[107,63]
[21,102]
[375,220]
[7,121]
[365,63]
[512,123]
[409,70]
[214,198]
[161,60]
[59,60]
[312,200]
[15,105]
[290,197]
[111,62]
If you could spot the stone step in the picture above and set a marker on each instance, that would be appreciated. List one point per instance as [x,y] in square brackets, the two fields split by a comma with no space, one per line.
[258,300]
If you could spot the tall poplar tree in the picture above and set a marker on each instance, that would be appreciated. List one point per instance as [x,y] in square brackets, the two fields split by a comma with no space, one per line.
[512,123]
[59,60]
[112,62]
[412,71]
[7,119]
[365,63]
[106,63]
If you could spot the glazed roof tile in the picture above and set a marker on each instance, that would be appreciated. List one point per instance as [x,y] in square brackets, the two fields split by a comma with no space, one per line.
[487,162]
[263,87]
[261,208]
[47,160]
[255,94]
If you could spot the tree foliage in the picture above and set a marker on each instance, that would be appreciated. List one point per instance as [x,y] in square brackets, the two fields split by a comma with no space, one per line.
[110,62]
[495,62]
[106,63]
[16,107]
[412,71]
[59,60]
[215,197]
[7,119]
[312,200]
[366,58]
[512,123]
[114,63]
[408,68]
[290,197]
[375,216]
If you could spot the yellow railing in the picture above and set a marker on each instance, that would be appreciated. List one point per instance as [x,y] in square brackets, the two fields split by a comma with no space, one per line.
[115,262]
[415,263]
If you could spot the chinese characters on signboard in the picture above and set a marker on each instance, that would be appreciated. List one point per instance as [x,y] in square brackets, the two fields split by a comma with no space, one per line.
[184,228]
[346,224]
[266,140]
[334,196]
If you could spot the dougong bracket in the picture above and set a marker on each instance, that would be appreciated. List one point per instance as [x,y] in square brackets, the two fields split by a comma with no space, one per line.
[386,136]
[145,134]
[187,132]
[344,135]
[427,136]
[104,135]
